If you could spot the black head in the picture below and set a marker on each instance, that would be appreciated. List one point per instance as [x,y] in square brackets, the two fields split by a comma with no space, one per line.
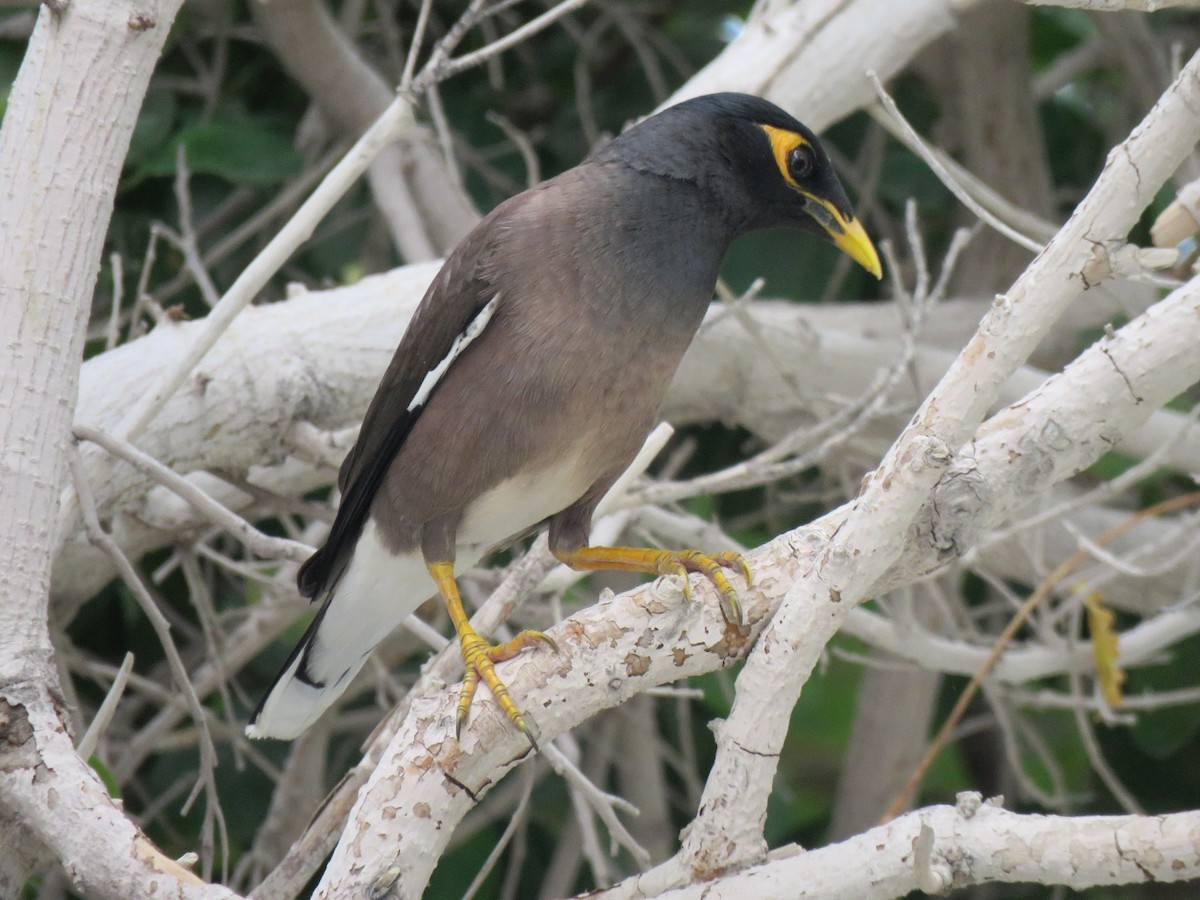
[763,167]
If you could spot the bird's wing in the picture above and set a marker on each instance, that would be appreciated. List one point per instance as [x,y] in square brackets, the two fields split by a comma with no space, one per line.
[454,310]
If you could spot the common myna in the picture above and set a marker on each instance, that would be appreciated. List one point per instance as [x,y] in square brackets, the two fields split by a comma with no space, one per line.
[532,371]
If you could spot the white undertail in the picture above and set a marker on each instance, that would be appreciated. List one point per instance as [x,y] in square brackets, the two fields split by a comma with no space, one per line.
[376,593]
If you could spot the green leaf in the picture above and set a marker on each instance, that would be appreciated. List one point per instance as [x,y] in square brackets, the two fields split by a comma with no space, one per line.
[153,129]
[242,154]
[1055,31]
[110,783]
[1160,733]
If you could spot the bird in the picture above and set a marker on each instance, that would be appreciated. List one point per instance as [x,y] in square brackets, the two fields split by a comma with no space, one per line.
[529,376]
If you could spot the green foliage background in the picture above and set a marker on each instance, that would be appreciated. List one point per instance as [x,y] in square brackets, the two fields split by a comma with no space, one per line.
[241,146]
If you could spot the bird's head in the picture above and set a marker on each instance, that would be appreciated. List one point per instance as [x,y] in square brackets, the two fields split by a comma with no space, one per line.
[765,168]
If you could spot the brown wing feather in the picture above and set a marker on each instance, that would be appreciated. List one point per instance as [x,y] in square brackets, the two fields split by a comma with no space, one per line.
[456,296]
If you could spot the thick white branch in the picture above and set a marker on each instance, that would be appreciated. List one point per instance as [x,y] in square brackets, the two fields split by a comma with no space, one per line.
[311,359]
[331,392]
[941,848]
[424,781]
[1067,422]
[796,53]
[728,827]
[65,134]
[1117,5]
[61,800]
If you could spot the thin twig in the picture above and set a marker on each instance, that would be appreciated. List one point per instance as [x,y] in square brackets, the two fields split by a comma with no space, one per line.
[533,169]
[1043,590]
[414,48]
[186,238]
[113,333]
[263,545]
[526,31]
[441,125]
[515,822]
[953,185]
[291,195]
[132,578]
[100,722]
[600,801]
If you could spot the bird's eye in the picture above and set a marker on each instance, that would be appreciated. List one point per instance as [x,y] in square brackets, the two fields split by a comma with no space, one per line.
[801,162]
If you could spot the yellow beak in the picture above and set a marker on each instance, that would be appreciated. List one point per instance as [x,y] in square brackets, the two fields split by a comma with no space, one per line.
[853,241]
[848,235]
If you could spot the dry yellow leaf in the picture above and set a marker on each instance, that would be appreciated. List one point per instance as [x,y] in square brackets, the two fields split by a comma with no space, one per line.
[1104,645]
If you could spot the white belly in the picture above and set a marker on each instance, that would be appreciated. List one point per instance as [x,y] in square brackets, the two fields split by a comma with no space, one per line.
[522,501]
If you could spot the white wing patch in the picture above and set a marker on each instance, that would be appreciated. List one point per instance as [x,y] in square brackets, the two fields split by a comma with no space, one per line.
[461,343]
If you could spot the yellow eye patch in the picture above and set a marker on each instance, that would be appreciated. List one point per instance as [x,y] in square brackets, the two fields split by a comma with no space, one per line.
[784,142]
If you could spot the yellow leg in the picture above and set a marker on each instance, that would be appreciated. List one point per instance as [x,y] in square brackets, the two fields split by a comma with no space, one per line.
[669,562]
[479,656]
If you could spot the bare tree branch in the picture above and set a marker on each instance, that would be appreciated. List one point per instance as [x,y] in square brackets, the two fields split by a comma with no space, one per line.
[59,194]
[231,437]
[728,828]
[352,95]
[942,848]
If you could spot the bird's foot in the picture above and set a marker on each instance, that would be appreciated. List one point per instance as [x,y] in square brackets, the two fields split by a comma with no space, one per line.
[712,566]
[670,562]
[480,658]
